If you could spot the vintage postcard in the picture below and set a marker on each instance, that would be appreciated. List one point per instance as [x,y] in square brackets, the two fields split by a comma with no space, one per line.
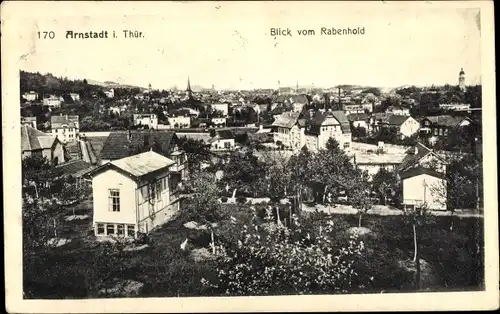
[249,156]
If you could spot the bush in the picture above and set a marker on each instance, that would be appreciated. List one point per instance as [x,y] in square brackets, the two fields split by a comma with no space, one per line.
[142,238]
[241,200]
[223,199]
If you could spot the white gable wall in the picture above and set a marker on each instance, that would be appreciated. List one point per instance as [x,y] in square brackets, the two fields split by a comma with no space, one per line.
[415,193]
[112,179]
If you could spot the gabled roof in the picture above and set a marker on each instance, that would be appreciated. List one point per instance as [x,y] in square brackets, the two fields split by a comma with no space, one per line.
[446,120]
[138,165]
[32,139]
[118,144]
[416,171]
[286,119]
[415,154]
[319,117]
[396,119]
[58,122]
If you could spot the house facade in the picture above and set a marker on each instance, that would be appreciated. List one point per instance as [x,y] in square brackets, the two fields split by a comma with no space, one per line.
[397,110]
[222,107]
[31,121]
[282,130]
[74,96]
[406,126]
[149,119]
[325,125]
[223,141]
[439,126]
[66,128]
[52,101]
[219,122]
[133,194]
[423,187]
[31,96]
[179,122]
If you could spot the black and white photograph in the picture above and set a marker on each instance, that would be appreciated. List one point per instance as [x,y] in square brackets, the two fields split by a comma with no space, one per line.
[171,150]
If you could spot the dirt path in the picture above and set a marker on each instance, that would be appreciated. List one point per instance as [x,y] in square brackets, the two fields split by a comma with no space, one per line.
[380,210]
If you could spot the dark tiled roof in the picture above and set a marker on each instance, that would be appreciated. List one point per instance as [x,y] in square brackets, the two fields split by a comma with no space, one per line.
[225,134]
[397,119]
[97,143]
[75,168]
[119,146]
[412,172]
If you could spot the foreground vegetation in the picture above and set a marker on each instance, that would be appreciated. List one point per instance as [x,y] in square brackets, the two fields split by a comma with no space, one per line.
[83,267]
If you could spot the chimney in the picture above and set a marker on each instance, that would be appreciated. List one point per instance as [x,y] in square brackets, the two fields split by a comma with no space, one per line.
[415,150]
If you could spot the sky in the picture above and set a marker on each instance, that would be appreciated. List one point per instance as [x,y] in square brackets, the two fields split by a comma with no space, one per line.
[230,46]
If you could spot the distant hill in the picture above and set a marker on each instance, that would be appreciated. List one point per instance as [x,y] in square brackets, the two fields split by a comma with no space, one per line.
[110,84]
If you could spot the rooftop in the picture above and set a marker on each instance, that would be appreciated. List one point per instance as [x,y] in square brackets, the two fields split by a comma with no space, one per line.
[32,139]
[143,164]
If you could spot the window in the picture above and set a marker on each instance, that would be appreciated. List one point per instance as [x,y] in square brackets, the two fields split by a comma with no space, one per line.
[100,228]
[156,191]
[110,229]
[346,145]
[114,200]
[227,145]
[130,230]
[120,230]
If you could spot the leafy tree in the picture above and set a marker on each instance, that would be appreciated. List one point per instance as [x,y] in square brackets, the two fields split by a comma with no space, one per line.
[242,171]
[385,184]
[277,175]
[196,151]
[203,204]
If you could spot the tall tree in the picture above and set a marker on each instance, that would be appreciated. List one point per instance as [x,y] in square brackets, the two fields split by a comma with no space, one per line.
[203,205]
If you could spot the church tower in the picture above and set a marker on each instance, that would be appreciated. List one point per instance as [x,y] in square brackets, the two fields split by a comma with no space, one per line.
[461,80]
[189,92]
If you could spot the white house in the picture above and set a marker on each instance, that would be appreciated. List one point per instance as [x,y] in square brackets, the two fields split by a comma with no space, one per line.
[405,125]
[423,187]
[396,110]
[223,107]
[324,125]
[52,101]
[179,121]
[455,107]
[66,128]
[149,119]
[75,96]
[31,121]
[133,194]
[287,131]
[110,93]
[223,141]
[219,122]
[31,96]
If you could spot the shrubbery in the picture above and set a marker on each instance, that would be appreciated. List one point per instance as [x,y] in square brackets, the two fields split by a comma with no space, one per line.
[241,200]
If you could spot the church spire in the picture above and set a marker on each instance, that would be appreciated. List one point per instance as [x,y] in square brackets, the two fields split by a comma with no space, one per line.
[189,92]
